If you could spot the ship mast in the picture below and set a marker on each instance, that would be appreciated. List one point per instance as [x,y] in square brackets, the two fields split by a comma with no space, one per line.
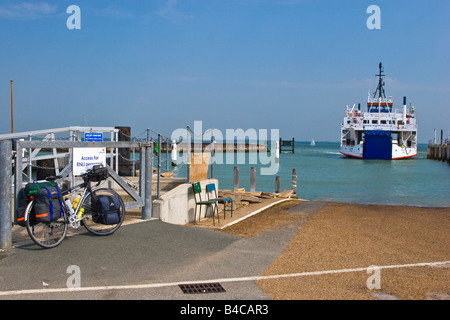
[380,88]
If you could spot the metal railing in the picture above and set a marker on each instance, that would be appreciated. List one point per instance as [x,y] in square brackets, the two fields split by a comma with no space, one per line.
[31,156]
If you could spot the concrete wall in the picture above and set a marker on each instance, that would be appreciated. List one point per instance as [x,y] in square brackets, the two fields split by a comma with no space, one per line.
[177,206]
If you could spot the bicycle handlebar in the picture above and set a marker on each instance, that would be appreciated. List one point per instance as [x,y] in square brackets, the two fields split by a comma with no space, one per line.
[96,174]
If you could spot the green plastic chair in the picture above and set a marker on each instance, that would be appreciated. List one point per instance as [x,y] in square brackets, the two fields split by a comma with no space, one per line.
[199,203]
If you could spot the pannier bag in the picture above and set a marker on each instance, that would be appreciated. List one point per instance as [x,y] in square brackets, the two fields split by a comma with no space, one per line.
[107,210]
[24,197]
[98,173]
[32,188]
[48,206]
[22,203]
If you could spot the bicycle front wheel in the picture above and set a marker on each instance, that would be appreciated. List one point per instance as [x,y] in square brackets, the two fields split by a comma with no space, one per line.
[49,234]
[91,213]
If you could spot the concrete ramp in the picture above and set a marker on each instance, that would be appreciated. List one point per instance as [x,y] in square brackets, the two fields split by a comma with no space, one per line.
[307,207]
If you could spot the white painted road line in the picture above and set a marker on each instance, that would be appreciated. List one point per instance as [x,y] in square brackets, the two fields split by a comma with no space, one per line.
[223,280]
[253,213]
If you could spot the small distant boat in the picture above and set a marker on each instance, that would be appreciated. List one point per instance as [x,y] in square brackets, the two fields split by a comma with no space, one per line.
[381,132]
[313,143]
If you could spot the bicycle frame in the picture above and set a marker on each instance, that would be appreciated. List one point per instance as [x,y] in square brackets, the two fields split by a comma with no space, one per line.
[73,219]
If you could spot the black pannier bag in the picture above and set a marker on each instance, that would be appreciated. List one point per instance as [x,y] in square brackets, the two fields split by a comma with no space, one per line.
[107,210]
[98,173]
[48,206]
[22,203]
[24,197]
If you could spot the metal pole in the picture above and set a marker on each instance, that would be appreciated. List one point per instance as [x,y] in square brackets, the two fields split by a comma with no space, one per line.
[5,194]
[147,209]
[30,163]
[167,155]
[134,159]
[158,192]
[142,161]
[116,151]
[18,173]
[188,153]
[12,109]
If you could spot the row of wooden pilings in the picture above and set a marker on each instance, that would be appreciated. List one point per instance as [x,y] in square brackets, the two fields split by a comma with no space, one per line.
[439,152]
[253,180]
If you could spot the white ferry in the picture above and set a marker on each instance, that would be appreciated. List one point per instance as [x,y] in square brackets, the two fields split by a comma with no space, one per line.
[380,132]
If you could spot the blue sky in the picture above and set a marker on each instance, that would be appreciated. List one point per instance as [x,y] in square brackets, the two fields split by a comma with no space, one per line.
[291,65]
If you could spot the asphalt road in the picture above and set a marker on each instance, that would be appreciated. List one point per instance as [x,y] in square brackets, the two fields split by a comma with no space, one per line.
[145,260]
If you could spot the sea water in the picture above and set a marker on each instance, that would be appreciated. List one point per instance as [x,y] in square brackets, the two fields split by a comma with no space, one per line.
[324,174]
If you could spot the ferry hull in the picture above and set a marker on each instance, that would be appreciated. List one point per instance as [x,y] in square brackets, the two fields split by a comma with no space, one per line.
[397,152]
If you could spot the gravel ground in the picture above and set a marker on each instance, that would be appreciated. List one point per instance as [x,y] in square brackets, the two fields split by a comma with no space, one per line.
[346,236]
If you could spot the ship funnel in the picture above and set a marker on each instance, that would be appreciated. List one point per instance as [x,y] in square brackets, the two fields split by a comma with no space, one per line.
[404,110]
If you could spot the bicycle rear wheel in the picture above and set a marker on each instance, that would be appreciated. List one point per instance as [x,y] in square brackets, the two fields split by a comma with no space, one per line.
[91,213]
[47,235]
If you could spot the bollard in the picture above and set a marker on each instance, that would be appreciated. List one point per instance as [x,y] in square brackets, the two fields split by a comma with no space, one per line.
[252,179]
[277,184]
[5,194]
[236,179]
[147,208]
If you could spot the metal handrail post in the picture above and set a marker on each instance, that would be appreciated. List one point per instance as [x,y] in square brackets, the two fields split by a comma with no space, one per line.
[158,186]
[5,194]
[147,209]
[188,153]
[167,155]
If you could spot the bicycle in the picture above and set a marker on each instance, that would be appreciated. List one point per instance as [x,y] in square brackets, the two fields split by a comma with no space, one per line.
[51,234]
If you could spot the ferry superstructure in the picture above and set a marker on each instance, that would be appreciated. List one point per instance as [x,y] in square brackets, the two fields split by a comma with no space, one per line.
[380,131]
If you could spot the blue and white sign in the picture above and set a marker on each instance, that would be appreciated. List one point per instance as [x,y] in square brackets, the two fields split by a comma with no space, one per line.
[85,158]
[89,136]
